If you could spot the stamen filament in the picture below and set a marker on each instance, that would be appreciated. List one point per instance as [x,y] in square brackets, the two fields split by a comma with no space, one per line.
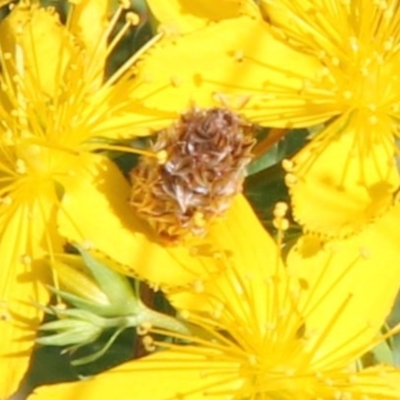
[124,149]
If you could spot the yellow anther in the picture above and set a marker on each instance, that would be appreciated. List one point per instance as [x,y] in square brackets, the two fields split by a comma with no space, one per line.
[60,307]
[162,157]
[148,343]
[335,61]
[87,244]
[176,81]
[281,224]
[198,286]
[252,359]
[125,4]
[6,200]
[132,18]
[365,253]
[184,314]
[199,220]
[26,260]
[143,328]
[20,167]
[373,120]
[287,165]
[388,45]
[238,55]
[280,209]
[5,316]
[347,94]
[290,179]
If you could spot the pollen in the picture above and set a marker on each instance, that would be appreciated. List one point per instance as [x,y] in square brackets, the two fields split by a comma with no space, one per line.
[199,168]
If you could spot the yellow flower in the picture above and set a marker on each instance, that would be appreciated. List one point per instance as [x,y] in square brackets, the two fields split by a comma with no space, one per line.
[306,63]
[54,104]
[270,331]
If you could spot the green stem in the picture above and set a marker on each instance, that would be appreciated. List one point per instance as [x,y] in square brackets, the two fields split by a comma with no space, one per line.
[159,320]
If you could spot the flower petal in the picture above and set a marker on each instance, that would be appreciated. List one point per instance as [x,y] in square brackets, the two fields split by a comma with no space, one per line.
[177,374]
[22,282]
[40,47]
[230,63]
[126,117]
[183,16]
[251,259]
[359,277]
[19,322]
[341,183]
[376,382]
[87,22]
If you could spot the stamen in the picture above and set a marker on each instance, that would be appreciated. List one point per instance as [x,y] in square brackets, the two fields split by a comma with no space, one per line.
[143,329]
[50,145]
[149,344]
[130,20]
[121,71]
[280,222]
[124,149]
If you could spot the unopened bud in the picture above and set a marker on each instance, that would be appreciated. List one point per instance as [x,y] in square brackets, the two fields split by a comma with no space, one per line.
[91,284]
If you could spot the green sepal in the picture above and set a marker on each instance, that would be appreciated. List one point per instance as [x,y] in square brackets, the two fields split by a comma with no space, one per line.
[116,286]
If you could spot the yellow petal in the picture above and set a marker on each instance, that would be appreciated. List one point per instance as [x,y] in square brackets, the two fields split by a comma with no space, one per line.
[361,275]
[181,16]
[176,373]
[340,183]
[127,116]
[87,23]
[253,256]
[19,322]
[22,282]
[40,47]
[95,212]
[229,63]
[376,382]
[293,18]
[180,375]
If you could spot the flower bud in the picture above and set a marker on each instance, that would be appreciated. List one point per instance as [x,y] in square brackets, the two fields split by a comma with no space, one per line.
[91,284]
[74,330]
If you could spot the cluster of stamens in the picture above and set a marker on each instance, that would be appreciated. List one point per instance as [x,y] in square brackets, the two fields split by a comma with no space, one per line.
[204,156]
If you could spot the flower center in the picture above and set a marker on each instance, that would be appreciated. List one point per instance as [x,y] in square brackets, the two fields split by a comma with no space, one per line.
[32,159]
[369,79]
[203,167]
